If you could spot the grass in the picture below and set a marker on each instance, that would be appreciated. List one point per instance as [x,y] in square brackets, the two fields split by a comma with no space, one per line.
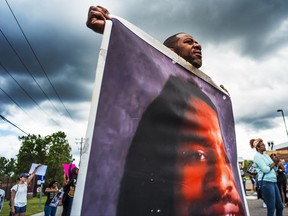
[32,206]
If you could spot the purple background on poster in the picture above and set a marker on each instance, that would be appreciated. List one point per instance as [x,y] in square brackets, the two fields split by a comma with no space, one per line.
[134,74]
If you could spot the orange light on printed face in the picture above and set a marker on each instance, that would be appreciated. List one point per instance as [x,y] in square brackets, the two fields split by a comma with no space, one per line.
[204,170]
[196,156]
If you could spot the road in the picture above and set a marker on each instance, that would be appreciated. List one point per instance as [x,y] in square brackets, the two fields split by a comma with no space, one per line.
[255,207]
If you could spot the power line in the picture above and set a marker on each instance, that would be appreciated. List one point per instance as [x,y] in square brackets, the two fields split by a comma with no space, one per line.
[25,93]
[22,90]
[13,101]
[28,69]
[37,59]
[12,124]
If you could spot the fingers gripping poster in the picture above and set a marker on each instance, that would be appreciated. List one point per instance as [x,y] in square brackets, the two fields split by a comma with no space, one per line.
[161,137]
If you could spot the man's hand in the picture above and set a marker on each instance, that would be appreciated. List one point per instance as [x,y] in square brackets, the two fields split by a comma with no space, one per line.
[97,17]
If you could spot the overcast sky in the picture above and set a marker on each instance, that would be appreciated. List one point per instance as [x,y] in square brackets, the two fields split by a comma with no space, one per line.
[49,87]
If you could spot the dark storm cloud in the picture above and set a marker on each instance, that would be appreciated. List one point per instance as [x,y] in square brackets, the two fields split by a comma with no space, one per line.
[67,56]
[258,122]
[64,51]
[248,22]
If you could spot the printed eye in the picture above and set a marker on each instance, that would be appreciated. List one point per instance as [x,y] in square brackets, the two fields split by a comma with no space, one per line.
[194,157]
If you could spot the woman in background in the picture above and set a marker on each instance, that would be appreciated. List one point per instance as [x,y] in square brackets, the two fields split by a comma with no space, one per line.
[282,182]
[266,168]
[51,192]
[19,193]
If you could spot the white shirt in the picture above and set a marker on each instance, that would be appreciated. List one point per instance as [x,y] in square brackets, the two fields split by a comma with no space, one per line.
[2,196]
[20,199]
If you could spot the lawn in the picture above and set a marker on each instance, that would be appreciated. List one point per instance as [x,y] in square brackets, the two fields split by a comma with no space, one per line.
[32,206]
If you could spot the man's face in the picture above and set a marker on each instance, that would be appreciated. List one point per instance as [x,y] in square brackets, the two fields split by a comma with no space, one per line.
[189,49]
[206,186]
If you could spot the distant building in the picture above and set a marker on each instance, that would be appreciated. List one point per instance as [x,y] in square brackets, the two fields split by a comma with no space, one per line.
[282,146]
[281,150]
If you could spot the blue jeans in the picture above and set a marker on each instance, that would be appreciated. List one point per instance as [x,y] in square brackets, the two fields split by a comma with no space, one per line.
[272,198]
[50,211]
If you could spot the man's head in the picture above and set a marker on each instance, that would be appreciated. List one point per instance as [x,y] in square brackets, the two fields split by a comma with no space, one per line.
[185,46]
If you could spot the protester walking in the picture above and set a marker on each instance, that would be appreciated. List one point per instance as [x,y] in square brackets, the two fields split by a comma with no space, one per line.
[19,193]
[266,169]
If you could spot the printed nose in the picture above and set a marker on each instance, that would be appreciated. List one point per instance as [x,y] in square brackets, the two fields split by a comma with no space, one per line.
[223,183]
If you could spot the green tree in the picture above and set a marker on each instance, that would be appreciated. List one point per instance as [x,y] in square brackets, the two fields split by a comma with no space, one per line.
[7,166]
[52,150]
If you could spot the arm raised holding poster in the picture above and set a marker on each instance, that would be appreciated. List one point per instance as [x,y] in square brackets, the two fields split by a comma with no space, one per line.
[181,43]
[97,16]
[31,176]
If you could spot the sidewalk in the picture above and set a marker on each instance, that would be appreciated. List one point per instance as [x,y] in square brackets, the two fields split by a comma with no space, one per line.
[58,213]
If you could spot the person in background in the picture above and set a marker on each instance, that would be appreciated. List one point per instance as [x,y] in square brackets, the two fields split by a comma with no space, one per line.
[19,193]
[286,167]
[242,173]
[267,167]
[2,196]
[253,182]
[282,182]
[69,189]
[51,191]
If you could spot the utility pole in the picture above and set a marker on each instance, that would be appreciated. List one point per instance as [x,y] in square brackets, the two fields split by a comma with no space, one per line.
[280,110]
[81,148]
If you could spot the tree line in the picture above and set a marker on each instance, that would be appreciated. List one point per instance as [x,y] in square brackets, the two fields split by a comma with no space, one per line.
[51,150]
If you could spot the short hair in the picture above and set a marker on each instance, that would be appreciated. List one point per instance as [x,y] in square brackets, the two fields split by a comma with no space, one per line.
[171,41]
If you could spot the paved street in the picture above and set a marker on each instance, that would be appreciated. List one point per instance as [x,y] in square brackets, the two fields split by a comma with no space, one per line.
[255,207]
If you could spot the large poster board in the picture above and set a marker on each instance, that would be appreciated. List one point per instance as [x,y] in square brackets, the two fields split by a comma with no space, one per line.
[161,137]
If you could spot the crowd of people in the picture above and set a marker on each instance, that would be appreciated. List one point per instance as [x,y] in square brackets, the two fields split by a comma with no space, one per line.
[55,195]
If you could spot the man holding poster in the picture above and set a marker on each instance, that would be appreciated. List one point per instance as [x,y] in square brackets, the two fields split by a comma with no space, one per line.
[162,136]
